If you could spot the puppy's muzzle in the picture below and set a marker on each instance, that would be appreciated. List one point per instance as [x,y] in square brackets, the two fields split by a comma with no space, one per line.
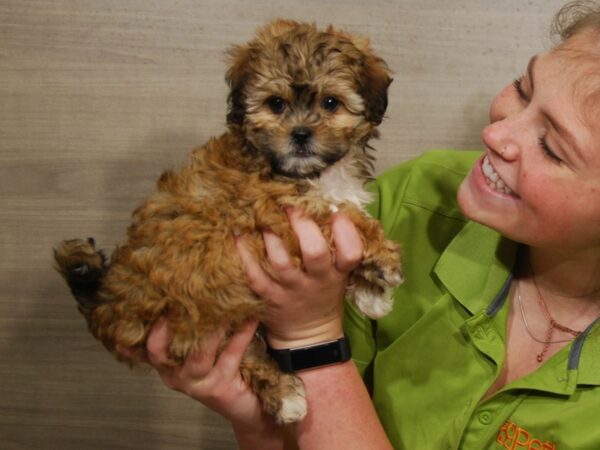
[301,137]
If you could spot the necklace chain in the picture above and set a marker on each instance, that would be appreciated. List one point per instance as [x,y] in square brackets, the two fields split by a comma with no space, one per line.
[552,324]
[533,336]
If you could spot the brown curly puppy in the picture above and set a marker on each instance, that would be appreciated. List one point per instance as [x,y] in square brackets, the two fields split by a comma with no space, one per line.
[303,105]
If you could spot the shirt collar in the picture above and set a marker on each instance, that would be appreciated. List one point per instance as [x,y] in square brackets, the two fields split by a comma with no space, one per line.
[585,355]
[476,269]
[476,266]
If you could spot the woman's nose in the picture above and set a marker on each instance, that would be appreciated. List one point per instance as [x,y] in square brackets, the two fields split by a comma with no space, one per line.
[507,126]
[501,137]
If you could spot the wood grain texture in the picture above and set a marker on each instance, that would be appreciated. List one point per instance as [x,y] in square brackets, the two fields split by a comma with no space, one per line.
[97,98]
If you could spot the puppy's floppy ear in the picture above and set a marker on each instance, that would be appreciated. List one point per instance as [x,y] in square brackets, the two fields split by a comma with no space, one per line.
[374,83]
[374,77]
[239,58]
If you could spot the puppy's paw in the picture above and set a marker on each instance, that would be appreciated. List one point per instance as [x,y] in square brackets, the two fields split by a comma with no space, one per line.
[382,265]
[391,276]
[293,404]
[385,274]
[374,302]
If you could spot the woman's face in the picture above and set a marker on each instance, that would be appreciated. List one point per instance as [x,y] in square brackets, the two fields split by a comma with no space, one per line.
[539,180]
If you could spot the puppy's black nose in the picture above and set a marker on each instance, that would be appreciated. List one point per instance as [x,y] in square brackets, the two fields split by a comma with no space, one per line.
[301,135]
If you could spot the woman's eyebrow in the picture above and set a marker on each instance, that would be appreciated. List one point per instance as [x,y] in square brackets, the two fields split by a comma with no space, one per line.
[530,70]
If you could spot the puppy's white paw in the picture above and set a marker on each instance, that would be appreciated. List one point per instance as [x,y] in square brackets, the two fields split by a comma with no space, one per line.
[372,304]
[293,407]
[396,279]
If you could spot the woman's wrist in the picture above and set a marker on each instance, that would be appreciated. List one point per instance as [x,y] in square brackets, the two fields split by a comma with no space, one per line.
[309,335]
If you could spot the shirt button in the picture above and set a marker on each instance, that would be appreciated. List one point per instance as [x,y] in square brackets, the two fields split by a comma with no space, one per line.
[485,417]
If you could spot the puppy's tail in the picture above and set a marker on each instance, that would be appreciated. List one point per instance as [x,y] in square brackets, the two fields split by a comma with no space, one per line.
[83,268]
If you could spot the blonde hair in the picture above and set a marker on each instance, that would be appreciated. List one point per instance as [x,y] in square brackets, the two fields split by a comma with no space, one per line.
[576,16]
[573,18]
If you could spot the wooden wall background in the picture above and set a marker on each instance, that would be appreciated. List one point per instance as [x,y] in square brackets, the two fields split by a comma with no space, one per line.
[97,97]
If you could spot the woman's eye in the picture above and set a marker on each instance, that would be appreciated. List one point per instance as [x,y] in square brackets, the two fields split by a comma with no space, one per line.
[330,104]
[548,151]
[277,104]
[518,85]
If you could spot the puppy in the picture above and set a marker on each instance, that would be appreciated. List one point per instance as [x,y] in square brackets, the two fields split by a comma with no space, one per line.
[303,105]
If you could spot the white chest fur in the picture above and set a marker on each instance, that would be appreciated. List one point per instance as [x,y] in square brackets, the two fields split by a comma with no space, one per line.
[341,184]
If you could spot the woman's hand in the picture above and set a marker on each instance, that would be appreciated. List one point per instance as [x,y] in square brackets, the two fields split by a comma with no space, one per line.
[305,306]
[213,380]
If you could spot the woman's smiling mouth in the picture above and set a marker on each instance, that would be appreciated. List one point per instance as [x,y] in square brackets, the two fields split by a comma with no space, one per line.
[493,179]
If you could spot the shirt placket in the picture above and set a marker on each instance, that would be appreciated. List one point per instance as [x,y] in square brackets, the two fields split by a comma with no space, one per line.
[479,421]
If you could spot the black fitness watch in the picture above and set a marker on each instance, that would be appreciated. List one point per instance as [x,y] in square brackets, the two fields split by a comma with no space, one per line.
[316,355]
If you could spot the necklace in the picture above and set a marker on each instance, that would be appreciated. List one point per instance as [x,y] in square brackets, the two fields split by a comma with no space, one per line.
[553,324]
[531,335]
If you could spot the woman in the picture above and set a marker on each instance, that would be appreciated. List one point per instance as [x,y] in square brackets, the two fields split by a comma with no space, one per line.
[493,340]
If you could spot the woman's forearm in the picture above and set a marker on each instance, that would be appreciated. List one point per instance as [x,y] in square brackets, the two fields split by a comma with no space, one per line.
[268,437]
[340,416]
[340,412]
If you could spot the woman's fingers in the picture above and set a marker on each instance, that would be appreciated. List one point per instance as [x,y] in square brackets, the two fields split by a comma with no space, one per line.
[349,248]
[228,362]
[201,368]
[200,362]
[157,343]
[277,254]
[258,280]
[316,254]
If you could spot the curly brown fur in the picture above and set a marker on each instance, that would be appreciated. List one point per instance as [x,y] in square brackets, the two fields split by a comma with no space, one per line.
[303,105]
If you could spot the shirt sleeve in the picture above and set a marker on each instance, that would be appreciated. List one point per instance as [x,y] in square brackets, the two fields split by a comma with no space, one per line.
[408,200]
[388,192]
[360,329]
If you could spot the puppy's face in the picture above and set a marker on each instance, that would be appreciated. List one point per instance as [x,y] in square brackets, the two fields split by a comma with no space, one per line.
[306,98]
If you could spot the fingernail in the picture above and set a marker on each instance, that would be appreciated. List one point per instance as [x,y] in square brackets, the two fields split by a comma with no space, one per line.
[252,323]
[290,210]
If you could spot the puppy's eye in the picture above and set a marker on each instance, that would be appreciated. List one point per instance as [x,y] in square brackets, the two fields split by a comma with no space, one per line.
[277,104]
[330,104]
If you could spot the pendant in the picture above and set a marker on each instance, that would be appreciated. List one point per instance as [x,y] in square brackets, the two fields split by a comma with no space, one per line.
[549,333]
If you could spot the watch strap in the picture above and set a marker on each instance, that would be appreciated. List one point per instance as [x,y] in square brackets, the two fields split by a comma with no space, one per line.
[311,356]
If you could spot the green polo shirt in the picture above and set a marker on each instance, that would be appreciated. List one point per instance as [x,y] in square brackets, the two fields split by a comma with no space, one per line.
[430,361]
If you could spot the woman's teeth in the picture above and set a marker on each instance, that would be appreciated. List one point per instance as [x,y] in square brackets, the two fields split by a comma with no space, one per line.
[493,179]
